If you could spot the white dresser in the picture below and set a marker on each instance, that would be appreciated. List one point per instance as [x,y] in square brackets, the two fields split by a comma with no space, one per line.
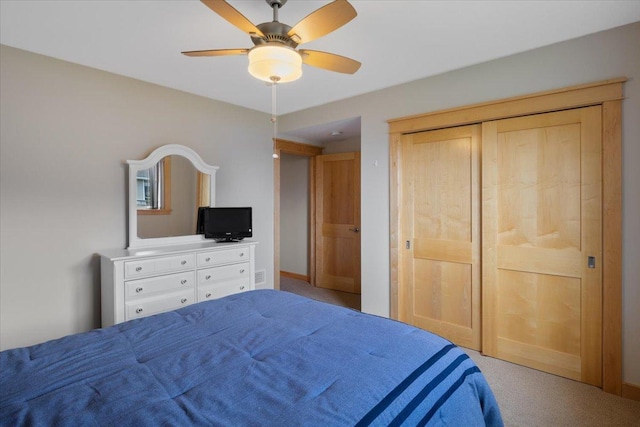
[141,282]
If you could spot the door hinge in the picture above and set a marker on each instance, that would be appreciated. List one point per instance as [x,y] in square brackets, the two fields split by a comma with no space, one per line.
[591,263]
[407,245]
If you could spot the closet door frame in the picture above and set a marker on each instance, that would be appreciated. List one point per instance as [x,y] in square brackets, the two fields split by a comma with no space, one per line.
[606,93]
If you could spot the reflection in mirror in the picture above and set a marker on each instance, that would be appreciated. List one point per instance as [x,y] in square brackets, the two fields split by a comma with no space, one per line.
[153,188]
[173,205]
[165,191]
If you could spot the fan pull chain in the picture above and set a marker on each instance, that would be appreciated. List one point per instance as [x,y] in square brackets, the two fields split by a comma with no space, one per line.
[274,118]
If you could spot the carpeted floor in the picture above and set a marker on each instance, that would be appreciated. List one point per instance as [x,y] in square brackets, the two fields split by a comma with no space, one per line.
[531,398]
[527,398]
[303,288]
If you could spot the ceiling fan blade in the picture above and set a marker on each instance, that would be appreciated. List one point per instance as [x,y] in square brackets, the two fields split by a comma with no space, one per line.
[322,21]
[329,61]
[216,52]
[232,15]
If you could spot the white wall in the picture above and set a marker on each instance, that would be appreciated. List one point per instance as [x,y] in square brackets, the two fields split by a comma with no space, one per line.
[65,133]
[345,146]
[294,214]
[610,54]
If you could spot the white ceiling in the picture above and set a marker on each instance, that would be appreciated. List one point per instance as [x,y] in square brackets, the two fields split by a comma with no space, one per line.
[396,41]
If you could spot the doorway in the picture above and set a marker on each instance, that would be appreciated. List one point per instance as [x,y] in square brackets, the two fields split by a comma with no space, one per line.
[287,150]
[294,216]
[307,151]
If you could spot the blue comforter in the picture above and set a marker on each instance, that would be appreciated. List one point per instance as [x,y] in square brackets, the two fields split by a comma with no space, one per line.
[260,358]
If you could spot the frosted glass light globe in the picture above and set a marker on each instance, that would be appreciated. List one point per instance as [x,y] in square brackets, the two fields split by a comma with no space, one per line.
[275,61]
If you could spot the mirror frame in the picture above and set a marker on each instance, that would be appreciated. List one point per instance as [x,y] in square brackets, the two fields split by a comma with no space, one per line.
[148,162]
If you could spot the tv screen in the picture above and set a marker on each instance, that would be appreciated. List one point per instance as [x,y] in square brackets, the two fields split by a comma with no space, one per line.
[225,224]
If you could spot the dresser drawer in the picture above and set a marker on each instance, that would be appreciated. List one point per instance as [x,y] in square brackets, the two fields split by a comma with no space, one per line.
[171,282]
[219,290]
[223,273]
[149,306]
[223,257]
[147,267]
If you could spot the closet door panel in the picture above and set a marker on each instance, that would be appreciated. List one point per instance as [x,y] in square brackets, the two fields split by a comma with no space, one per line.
[441,292]
[442,298]
[541,224]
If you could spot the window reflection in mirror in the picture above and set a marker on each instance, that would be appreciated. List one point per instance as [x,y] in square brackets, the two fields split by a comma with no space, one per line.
[153,185]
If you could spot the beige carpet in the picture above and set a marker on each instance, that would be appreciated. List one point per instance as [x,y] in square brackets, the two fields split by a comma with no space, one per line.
[531,398]
[300,287]
[527,398]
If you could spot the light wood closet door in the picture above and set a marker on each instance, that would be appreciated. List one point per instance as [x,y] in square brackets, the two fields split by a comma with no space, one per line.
[440,215]
[541,219]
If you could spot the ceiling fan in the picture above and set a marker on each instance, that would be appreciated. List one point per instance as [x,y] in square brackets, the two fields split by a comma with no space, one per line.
[274,58]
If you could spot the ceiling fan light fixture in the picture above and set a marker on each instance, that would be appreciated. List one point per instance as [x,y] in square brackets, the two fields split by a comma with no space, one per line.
[275,62]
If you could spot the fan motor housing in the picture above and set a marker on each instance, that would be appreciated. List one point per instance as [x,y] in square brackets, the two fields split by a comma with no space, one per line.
[274,32]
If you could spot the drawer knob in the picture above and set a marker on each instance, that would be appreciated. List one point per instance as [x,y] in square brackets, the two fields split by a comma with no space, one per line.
[242,288]
[183,281]
[208,295]
[183,300]
[138,268]
[138,290]
[207,259]
[241,254]
[138,310]
[242,270]
[207,277]
[183,262]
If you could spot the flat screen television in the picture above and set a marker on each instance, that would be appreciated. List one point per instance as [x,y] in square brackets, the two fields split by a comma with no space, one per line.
[225,224]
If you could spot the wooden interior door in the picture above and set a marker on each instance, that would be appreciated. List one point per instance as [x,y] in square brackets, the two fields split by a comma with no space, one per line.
[542,240]
[440,224]
[338,221]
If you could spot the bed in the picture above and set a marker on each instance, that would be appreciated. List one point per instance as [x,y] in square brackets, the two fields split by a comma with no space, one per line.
[259,358]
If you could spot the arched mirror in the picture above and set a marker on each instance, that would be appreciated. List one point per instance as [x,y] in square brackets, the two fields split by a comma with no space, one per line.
[165,190]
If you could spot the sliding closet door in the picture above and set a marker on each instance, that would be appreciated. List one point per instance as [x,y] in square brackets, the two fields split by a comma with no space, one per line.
[440,214]
[542,240]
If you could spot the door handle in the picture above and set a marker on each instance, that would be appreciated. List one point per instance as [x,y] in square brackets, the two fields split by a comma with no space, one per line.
[355,230]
